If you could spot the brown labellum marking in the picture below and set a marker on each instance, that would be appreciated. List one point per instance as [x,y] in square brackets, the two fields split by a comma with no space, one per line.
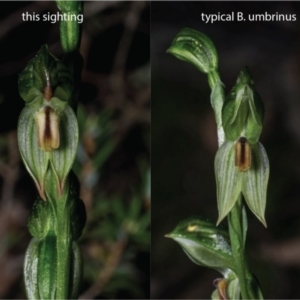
[242,154]
[48,88]
[47,121]
[47,132]
[221,285]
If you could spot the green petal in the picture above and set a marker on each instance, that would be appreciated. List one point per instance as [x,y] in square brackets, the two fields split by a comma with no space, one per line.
[35,159]
[204,243]
[62,158]
[255,182]
[195,47]
[228,178]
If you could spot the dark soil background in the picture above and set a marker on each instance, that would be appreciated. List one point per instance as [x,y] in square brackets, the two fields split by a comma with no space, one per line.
[113,157]
[184,142]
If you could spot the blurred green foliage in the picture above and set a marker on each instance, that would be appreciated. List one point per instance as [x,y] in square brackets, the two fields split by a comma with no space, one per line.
[118,225]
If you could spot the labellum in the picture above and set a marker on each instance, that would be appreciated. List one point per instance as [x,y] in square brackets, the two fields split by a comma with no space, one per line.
[47,121]
[221,285]
[242,154]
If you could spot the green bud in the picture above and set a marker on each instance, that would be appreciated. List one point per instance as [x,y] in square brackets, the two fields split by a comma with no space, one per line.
[195,47]
[40,268]
[40,221]
[205,244]
[242,168]
[243,110]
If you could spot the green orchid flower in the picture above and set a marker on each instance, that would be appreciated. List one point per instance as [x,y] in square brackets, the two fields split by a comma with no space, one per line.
[241,163]
[48,128]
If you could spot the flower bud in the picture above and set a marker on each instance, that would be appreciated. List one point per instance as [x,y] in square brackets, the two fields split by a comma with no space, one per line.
[47,122]
[243,110]
[195,47]
[40,268]
[40,219]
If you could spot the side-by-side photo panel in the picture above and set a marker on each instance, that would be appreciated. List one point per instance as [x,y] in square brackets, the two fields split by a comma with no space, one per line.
[225,144]
[75,150]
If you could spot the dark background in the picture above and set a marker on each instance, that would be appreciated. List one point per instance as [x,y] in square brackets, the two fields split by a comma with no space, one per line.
[114,149]
[184,143]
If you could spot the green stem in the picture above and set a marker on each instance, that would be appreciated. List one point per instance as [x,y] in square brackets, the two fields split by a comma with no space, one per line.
[70,34]
[213,78]
[70,31]
[237,231]
[64,247]
[237,244]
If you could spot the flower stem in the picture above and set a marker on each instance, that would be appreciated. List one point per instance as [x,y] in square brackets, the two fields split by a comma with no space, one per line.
[237,245]
[64,244]
[237,223]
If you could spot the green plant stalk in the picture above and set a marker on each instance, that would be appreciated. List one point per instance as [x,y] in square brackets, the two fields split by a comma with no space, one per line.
[196,48]
[213,78]
[64,247]
[70,34]
[237,237]
[237,244]
[70,31]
